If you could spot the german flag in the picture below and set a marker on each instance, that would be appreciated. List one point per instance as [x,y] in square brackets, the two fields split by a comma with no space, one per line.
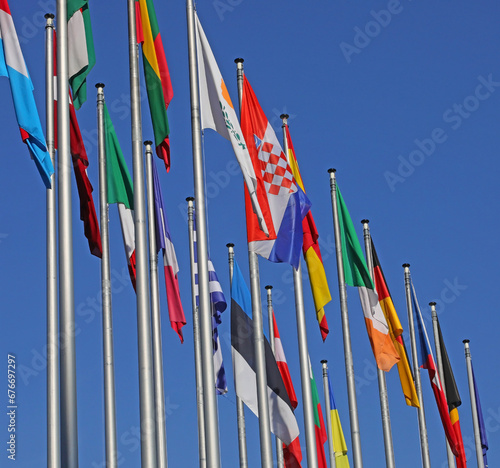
[396,331]
[310,249]
[452,398]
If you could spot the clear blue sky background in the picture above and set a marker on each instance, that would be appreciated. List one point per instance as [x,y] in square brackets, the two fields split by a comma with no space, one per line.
[362,102]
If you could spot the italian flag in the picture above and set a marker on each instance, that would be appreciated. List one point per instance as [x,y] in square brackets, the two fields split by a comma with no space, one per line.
[120,190]
[81,53]
[356,274]
[319,424]
[158,84]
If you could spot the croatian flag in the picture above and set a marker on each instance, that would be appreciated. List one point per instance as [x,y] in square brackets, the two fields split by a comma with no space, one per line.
[219,305]
[164,241]
[12,66]
[283,203]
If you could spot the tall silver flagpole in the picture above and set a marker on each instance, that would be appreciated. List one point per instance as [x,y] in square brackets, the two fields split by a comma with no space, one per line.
[328,410]
[280,462]
[146,388]
[349,365]
[473,406]
[197,345]
[202,449]
[69,427]
[312,455]
[424,443]
[53,433]
[107,316]
[161,431]
[382,384]
[439,359]
[205,310]
[240,407]
[266,449]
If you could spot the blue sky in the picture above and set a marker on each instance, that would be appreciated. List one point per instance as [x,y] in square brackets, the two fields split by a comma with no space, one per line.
[400,97]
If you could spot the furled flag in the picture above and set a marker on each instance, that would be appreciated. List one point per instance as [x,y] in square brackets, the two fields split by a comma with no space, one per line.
[13,67]
[157,76]
[356,274]
[292,453]
[395,331]
[339,445]
[284,204]
[80,164]
[164,242]
[426,360]
[219,305]
[81,53]
[120,191]
[452,398]
[311,251]
[482,428]
[319,423]
[282,419]
[217,113]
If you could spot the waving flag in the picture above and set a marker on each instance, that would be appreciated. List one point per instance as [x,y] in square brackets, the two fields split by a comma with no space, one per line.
[282,420]
[164,242]
[292,453]
[120,191]
[452,398]
[426,360]
[356,274]
[319,422]
[13,67]
[311,251]
[81,53]
[217,113]
[395,331]
[80,164]
[284,204]
[219,305]
[339,445]
[157,76]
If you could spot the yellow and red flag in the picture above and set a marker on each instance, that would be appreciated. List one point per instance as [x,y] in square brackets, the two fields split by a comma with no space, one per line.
[395,331]
[311,251]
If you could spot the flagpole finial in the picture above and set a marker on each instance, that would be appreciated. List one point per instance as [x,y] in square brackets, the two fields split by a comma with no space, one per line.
[99,87]
[148,143]
[238,61]
[284,116]
[332,171]
[323,361]
[230,244]
[49,16]
[432,304]
[406,265]
[465,341]
[365,221]
[268,287]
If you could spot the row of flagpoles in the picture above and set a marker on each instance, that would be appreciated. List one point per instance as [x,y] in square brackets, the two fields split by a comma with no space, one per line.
[274,191]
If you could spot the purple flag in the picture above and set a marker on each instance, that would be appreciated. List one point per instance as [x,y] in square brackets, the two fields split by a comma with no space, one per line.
[482,429]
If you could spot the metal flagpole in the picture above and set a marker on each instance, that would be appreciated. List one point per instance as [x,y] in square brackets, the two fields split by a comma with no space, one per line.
[472,393]
[266,450]
[382,384]
[69,427]
[107,317]
[280,462]
[146,388]
[159,391]
[312,455]
[240,408]
[349,365]
[424,443]
[439,359]
[202,449]
[205,310]
[53,421]
[328,410]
